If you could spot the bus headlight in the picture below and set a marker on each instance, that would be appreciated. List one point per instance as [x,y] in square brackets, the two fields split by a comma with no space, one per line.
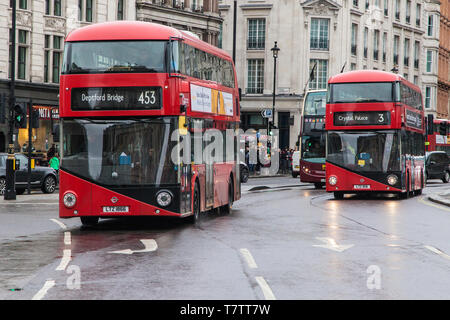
[332,180]
[164,198]
[70,199]
[392,179]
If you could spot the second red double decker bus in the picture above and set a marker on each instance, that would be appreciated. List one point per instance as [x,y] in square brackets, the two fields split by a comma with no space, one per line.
[129,93]
[375,134]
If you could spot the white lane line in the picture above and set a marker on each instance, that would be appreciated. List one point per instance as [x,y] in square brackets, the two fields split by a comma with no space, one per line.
[433,204]
[59,223]
[439,252]
[41,293]
[248,258]
[67,238]
[331,244]
[268,294]
[67,253]
[149,245]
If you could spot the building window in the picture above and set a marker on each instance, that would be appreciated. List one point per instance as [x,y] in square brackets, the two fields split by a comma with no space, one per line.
[396,44]
[319,34]
[354,39]
[46,57]
[408,11]
[386,7]
[320,74]
[416,54]
[52,58]
[430,25]
[416,80]
[47,7]
[352,66]
[418,13]
[256,38]
[22,54]
[376,41]
[384,46]
[406,53]
[255,80]
[85,10]
[427,97]
[355,3]
[119,9]
[366,35]
[367,4]
[397,9]
[429,61]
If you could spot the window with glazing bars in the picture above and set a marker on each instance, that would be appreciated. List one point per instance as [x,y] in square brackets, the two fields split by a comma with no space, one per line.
[319,34]
[255,82]
[320,75]
[256,34]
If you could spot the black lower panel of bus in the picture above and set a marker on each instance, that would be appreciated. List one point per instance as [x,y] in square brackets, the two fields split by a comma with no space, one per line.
[377,176]
[147,194]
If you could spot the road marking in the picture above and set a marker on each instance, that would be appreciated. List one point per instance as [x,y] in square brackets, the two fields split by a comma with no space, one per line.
[59,223]
[267,292]
[429,203]
[439,252]
[41,293]
[331,244]
[67,238]
[149,244]
[65,260]
[248,258]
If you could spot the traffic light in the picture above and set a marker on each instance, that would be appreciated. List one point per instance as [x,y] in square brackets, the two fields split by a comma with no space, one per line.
[20,115]
[443,128]
[34,118]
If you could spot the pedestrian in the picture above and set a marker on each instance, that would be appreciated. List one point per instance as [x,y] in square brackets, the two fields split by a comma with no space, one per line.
[51,152]
[54,162]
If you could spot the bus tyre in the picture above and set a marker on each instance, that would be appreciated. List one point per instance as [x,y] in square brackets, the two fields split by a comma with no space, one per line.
[195,205]
[338,195]
[228,208]
[446,177]
[405,195]
[89,221]
[318,185]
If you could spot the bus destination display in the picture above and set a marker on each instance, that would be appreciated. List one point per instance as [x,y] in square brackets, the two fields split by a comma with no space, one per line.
[362,118]
[116,98]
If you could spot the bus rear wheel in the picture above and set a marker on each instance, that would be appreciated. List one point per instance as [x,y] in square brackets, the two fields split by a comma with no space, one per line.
[318,185]
[228,208]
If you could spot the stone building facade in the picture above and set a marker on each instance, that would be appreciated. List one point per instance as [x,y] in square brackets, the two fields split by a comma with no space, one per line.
[336,35]
[41,26]
[443,101]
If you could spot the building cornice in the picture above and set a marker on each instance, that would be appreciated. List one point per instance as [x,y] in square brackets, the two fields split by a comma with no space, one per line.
[256,6]
[170,10]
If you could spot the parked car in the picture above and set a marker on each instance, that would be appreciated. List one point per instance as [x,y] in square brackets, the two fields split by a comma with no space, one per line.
[437,166]
[243,168]
[295,164]
[44,178]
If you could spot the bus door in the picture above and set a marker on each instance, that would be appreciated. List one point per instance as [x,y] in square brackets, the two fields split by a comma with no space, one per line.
[209,169]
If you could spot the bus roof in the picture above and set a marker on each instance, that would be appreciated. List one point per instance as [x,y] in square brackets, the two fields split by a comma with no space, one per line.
[139,30]
[365,76]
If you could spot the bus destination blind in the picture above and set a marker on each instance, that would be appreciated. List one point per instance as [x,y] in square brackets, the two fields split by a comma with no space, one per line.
[116,98]
[362,118]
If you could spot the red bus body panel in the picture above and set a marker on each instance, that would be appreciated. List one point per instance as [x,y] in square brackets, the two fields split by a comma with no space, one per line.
[315,172]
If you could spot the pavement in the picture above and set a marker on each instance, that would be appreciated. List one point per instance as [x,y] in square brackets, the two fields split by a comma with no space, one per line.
[441,198]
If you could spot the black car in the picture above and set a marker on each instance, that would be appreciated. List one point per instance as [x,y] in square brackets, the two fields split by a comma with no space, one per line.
[437,166]
[243,168]
[44,178]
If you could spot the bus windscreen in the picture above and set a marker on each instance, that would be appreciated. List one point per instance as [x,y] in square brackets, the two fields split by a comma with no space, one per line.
[361,92]
[114,57]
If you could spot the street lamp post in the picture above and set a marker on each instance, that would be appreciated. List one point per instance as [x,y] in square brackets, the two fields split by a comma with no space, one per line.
[275,51]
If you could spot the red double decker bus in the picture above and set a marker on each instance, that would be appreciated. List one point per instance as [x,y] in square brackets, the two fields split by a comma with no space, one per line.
[130,92]
[312,138]
[375,134]
[438,137]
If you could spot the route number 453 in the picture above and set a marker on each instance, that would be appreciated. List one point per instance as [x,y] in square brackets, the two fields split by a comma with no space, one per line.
[147,97]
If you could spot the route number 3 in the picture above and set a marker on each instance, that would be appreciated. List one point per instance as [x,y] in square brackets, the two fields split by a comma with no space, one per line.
[380,118]
[147,97]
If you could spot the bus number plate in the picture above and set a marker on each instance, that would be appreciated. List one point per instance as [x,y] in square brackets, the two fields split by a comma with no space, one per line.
[117,209]
[361,186]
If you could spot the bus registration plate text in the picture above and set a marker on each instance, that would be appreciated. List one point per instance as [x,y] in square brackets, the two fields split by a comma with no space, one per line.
[116,209]
[361,186]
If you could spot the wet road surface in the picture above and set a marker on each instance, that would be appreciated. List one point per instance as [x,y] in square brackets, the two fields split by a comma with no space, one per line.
[291,242]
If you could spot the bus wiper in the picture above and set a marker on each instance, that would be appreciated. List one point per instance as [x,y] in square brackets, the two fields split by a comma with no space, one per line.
[368,100]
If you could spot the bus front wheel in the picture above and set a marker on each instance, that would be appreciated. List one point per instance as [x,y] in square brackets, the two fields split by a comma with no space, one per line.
[338,195]
[89,221]
[195,205]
